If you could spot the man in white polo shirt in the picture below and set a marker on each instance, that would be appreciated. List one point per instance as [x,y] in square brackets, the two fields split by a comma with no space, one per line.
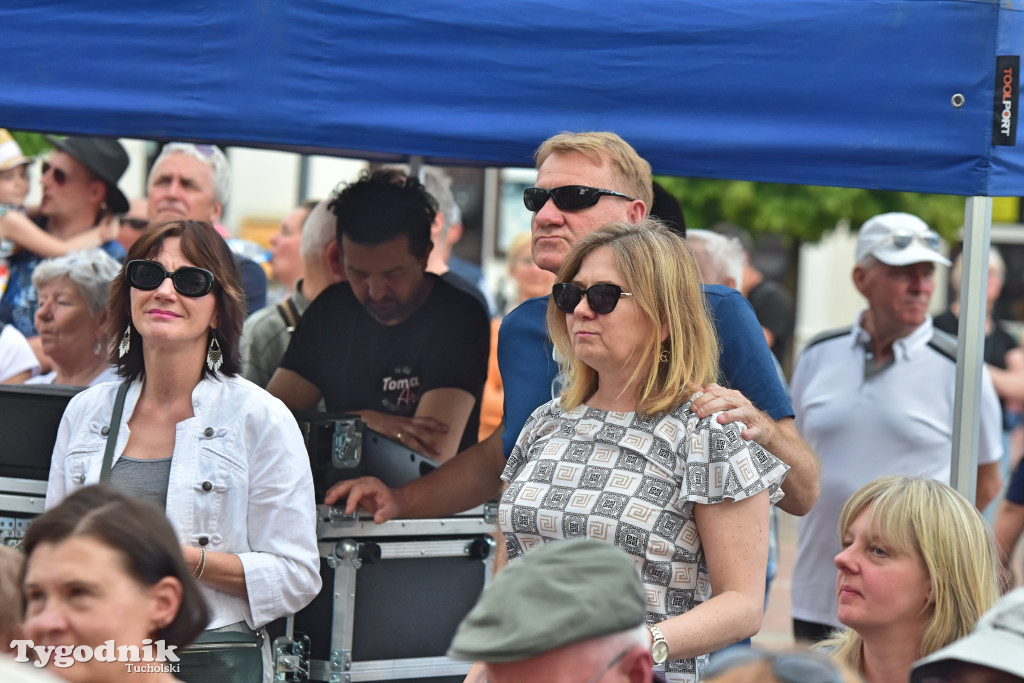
[876,399]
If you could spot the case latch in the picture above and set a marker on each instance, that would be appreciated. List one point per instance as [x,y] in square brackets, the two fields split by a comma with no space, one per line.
[291,659]
[347,442]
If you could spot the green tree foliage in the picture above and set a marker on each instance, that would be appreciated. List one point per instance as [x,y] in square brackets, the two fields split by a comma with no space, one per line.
[805,212]
[32,144]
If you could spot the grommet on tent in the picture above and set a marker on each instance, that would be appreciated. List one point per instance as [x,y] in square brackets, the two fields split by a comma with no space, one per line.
[957,100]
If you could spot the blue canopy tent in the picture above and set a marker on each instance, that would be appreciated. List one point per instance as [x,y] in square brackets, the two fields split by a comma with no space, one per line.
[884,94]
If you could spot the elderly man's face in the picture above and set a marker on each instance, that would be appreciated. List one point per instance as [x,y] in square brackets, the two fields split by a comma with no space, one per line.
[181,186]
[69,189]
[898,296]
[556,231]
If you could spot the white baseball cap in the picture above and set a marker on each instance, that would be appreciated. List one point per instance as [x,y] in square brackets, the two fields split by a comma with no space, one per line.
[899,239]
[997,642]
[10,153]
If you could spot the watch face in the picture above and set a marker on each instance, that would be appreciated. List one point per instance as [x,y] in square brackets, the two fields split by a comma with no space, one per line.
[659,651]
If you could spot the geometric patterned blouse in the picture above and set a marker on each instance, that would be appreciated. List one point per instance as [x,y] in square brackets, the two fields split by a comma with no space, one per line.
[632,481]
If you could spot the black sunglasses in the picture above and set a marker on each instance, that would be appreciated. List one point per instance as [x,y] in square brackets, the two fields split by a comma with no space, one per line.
[601,298]
[59,175]
[187,281]
[567,197]
[135,223]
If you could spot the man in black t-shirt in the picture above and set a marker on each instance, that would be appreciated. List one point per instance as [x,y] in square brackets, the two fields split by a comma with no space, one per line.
[397,345]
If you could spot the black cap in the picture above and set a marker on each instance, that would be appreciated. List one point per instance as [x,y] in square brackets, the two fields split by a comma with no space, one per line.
[105,157]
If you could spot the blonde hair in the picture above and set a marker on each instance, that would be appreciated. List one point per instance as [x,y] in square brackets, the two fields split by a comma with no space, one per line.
[632,169]
[523,240]
[924,516]
[658,269]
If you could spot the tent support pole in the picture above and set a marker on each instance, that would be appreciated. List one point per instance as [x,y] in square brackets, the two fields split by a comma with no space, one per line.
[416,167]
[970,345]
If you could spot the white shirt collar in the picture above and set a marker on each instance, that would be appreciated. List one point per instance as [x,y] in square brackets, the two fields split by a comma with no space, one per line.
[903,348]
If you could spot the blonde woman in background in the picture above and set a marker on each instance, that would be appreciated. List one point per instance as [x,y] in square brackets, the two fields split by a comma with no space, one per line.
[917,570]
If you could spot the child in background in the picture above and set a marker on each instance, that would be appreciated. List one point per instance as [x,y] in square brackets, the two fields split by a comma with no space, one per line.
[17,230]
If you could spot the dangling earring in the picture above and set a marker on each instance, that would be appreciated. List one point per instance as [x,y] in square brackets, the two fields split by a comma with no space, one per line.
[214,357]
[126,342]
[97,349]
[664,355]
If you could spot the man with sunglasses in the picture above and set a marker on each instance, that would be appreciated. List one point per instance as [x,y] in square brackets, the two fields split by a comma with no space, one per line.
[585,180]
[79,188]
[877,398]
[194,181]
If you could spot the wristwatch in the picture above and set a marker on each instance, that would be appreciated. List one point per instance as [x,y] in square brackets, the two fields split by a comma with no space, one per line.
[659,647]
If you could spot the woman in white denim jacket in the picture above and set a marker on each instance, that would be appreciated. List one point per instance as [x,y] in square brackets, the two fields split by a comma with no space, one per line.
[225,458]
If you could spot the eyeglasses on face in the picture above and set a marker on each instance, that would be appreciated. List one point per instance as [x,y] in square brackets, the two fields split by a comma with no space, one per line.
[601,298]
[901,239]
[567,197]
[60,176]
[135,223]
[188,280]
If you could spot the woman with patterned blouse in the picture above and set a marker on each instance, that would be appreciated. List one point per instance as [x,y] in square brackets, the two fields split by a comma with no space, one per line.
[620,457]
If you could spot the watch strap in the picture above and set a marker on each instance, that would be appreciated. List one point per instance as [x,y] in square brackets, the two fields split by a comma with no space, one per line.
[658,639]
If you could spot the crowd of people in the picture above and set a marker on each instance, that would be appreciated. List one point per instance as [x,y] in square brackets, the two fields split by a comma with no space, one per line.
[630,414]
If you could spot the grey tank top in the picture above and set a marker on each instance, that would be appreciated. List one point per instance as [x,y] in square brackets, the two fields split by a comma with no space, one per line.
[145,479]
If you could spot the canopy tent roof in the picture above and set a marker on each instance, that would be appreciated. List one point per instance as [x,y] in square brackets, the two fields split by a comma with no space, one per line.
[880,94]
[855,94]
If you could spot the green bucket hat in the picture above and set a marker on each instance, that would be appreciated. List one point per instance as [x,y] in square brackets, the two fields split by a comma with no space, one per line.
[556,595]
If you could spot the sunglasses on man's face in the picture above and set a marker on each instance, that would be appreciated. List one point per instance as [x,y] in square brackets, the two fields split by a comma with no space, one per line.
[188,280]
[135,223]
[601,298]
[60,176]
[567,197]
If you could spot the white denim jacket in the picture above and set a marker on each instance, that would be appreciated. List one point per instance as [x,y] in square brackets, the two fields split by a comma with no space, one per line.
[240,483]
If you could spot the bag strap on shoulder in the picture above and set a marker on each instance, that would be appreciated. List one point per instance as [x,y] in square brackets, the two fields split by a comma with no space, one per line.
[115,424]
[289,313]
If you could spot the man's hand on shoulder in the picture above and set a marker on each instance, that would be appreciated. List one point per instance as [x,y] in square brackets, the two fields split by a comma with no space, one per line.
[734,407]
[778,437]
